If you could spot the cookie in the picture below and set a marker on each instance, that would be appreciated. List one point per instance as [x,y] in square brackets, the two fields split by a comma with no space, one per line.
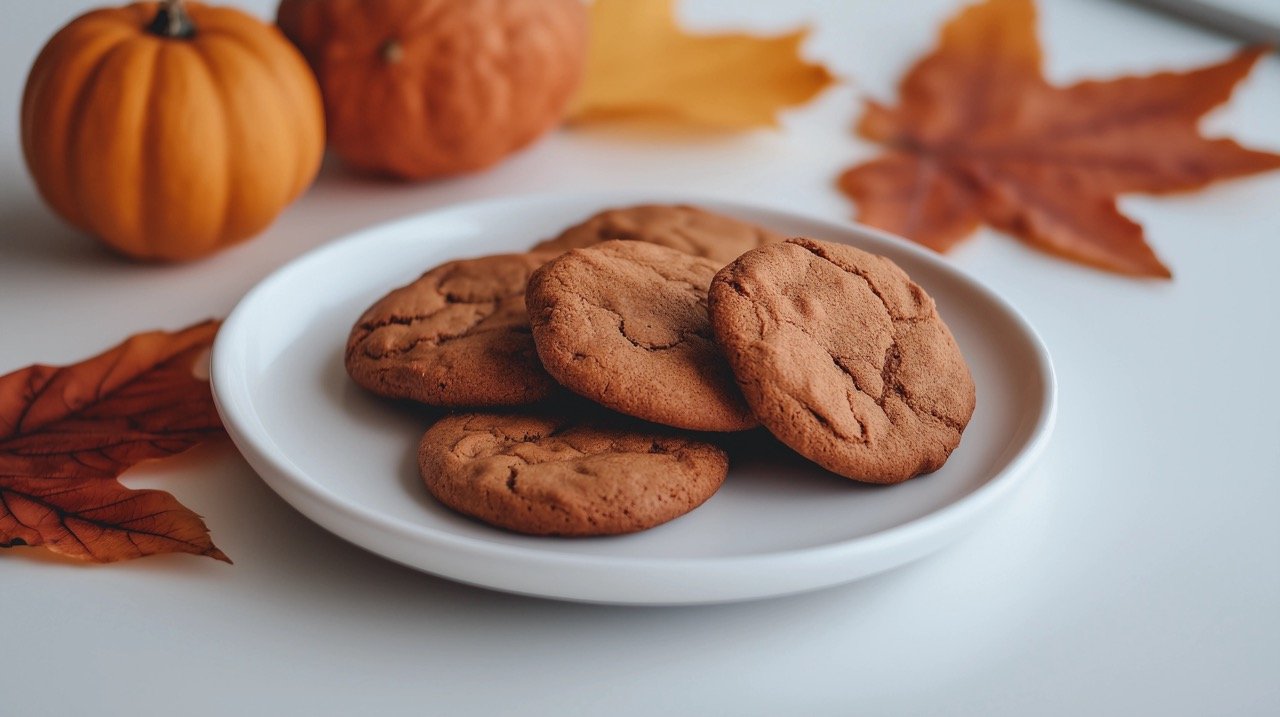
[547,475]
[688,229]
[843,358]
[624,323]
[458,336]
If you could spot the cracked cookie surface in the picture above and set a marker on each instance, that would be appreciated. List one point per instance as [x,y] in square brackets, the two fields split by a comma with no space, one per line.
[458,336]
[685,228]
[545,475]
[843,358]
[625,324]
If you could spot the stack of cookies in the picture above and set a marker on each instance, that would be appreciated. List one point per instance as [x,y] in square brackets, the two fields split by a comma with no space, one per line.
[676,325]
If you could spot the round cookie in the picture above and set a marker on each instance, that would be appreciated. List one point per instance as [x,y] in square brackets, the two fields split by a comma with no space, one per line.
[688,229]
[458,336]
[843,358]
[624,323]
[547,475]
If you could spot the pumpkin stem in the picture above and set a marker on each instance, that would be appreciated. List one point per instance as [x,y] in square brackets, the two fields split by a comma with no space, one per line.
[172,20]
[392,52]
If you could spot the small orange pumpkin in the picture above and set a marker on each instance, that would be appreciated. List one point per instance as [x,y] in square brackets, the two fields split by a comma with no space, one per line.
[170,131]
[423,88]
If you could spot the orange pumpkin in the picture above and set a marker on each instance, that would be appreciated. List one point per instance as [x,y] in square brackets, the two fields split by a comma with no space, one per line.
[423,88]
[171,131]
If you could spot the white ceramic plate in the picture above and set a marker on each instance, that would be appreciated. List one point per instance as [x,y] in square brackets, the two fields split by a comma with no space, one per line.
[780,525]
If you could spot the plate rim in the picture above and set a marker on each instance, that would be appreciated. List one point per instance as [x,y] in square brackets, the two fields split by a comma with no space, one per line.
[284,477]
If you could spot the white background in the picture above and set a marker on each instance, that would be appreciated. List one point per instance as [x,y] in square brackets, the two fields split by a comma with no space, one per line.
[1137,572]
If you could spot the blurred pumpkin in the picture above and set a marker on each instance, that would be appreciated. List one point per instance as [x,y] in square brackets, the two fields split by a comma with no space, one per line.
[173,130]
[424,88]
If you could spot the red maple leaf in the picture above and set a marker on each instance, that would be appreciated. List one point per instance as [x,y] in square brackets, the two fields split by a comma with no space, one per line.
[66,433]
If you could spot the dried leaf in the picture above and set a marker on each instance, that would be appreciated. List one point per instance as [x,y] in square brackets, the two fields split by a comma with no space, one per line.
[980,136]
[641,65]
[66,433]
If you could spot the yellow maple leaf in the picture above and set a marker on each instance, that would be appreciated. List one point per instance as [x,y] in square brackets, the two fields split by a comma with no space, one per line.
[641,65]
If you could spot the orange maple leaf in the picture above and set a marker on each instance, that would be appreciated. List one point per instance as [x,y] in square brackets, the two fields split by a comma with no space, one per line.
[66,433]
[980,136]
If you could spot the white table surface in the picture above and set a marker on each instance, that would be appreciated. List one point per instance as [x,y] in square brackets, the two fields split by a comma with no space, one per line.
[1138,571]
